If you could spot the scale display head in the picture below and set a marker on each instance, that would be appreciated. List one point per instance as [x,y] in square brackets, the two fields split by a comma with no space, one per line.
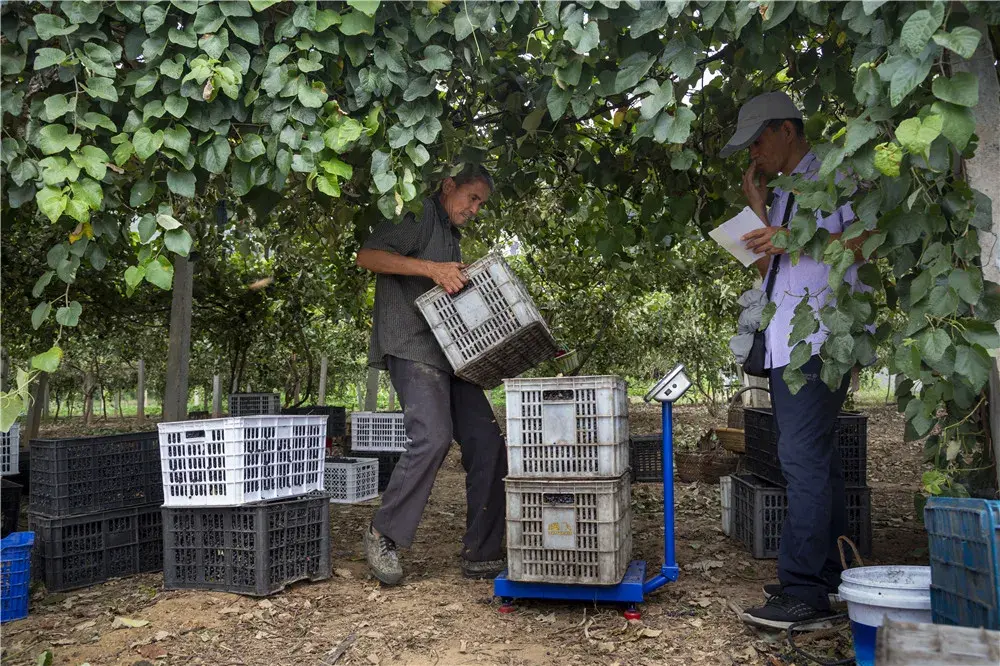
[671,387]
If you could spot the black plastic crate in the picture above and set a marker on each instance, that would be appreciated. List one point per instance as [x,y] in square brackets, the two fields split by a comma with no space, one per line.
[86,475]
[336,422]
[645,454]
[84,550]
[759,510]
[256,549]
[761,456]
[10,506]
[386,463]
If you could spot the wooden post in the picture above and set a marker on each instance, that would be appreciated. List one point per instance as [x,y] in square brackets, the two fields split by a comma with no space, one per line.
[982,175]
[45,401]
[35,411]
[392,397]
[216,396]
[322,381]
[175,396]
[140,393]
[118,402]
[371,391]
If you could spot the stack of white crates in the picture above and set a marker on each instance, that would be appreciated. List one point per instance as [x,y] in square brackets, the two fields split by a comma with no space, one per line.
[569,516]
[10,451]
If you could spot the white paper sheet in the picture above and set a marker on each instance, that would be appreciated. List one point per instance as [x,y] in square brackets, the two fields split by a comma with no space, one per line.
[729,233]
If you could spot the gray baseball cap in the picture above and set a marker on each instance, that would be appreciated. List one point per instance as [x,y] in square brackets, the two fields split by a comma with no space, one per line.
[754,116]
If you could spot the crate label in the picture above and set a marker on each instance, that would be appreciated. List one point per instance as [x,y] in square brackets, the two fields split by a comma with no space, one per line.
[472,308]
[559,423]
[559,528]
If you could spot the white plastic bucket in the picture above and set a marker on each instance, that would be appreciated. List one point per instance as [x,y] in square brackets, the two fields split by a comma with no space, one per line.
[726,495]
[901,593]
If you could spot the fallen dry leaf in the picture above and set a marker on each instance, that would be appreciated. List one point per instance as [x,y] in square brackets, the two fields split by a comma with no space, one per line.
[605,646]
[85,625]
[650,633]
[373,658]
[453,608]
[152,651]
[128,622]
[161,635]
[550,618]
[265,604]
[462,646]
[228,610]
[343,573]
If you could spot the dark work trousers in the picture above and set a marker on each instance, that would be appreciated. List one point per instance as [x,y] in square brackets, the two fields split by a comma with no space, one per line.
[808,560]
[439,407]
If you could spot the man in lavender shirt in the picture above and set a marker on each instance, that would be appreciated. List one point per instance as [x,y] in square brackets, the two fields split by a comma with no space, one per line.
[808,561]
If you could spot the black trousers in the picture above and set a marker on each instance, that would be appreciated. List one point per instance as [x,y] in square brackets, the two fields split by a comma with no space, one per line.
[437,408]
[808,561]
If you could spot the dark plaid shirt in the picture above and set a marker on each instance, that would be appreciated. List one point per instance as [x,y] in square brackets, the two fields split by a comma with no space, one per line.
[398,328]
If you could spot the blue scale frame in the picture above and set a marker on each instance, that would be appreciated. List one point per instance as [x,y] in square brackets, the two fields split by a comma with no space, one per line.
[634,587]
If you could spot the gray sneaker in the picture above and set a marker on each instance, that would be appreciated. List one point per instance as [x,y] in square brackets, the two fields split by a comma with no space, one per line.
[380,551]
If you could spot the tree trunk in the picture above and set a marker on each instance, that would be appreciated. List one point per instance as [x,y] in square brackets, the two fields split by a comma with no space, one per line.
[360,395]
[371,394]
[982,175]
[4,368]
[58,405]
[140,392]
[89,386]
[35,410]
[392,397]
[45,401]
[104,404]
[322,381]
[179,348]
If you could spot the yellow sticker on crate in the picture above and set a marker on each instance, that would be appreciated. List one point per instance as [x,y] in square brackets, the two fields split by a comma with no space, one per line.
[560,528]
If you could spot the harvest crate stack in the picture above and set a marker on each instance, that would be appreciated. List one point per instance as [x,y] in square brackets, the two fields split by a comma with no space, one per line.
[254,404]
[759,498]
[94,506]
[568,490]
[381,436]
[244,506]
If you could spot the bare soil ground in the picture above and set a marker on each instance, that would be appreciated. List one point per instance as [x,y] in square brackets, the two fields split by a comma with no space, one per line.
[437,617]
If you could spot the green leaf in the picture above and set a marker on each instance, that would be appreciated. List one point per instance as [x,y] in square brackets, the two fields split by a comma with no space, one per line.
[93,160]
[367,7]
[216,155]
[916,136]
[961,89]
[69,316]
[973,365]
[251,147]
[56,170]
[146,83]
[57,106]
[418,87]
[794,379]
[800,355]
[134,275]
[934,343]
[959,123]
[980,333]
[339,138]
[245,28]
[147,142]
[102,88]
[147,227]
[178,241]
[328,185]
[840,347]
[311,95]
[47,57]
[910,74]
[176,105]
[42,283]
[968,285]
[384,181]
[675,128]
[177,138]
[52,202]
[803,322]
[859,132]
[888,157]
[963,40]
[167,221]
[11,406]
[583,38]
[40,314]
[435,58]
[631,70]
[326,18]
[662,95]
[66,270]
[181,183]
[337,167]
[557,100]
[651,16]
[48,362]
[907,360]
[48,26]
[418,154]
[357,23]
[919,29]
[160,273]
[88,192]
[54,139]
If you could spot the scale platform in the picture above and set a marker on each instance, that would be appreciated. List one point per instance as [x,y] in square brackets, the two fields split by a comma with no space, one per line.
[629,591]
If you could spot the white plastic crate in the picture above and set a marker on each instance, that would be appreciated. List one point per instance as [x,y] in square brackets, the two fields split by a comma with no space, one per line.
[576,532]
[233,461]
[491,330]
[10,450]
[378,431]
[254,404]
[567,427]
[351,480]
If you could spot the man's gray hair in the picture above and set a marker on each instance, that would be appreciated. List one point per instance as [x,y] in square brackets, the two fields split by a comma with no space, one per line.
[472,172]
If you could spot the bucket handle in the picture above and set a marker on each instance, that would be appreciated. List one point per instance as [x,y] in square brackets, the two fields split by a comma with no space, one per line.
[841,540]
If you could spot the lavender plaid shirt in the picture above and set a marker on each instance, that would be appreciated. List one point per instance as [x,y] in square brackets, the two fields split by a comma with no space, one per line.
[807,277]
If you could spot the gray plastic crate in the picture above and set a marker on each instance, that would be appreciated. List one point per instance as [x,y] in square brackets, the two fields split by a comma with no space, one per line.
[256,549]
[491,330]
[759,510]
[336,422]
[84,475]
[254,404]
[84,550]
[575,532]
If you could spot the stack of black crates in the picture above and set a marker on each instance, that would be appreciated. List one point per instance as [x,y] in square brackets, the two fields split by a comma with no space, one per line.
[94,506]
[759,497]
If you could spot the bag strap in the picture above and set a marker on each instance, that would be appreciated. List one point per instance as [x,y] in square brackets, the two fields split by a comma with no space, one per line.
[777,258]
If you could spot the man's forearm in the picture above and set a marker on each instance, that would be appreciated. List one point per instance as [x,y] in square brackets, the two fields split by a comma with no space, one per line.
[380,261]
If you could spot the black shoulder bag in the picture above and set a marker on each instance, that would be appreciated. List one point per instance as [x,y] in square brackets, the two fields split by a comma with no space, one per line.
[755,361]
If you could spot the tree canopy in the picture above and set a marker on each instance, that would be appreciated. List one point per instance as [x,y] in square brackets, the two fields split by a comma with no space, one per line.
[134,132]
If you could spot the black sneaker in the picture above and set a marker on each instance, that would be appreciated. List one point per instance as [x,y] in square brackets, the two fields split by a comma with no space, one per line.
[783,610]
[485,569]
[774,589]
